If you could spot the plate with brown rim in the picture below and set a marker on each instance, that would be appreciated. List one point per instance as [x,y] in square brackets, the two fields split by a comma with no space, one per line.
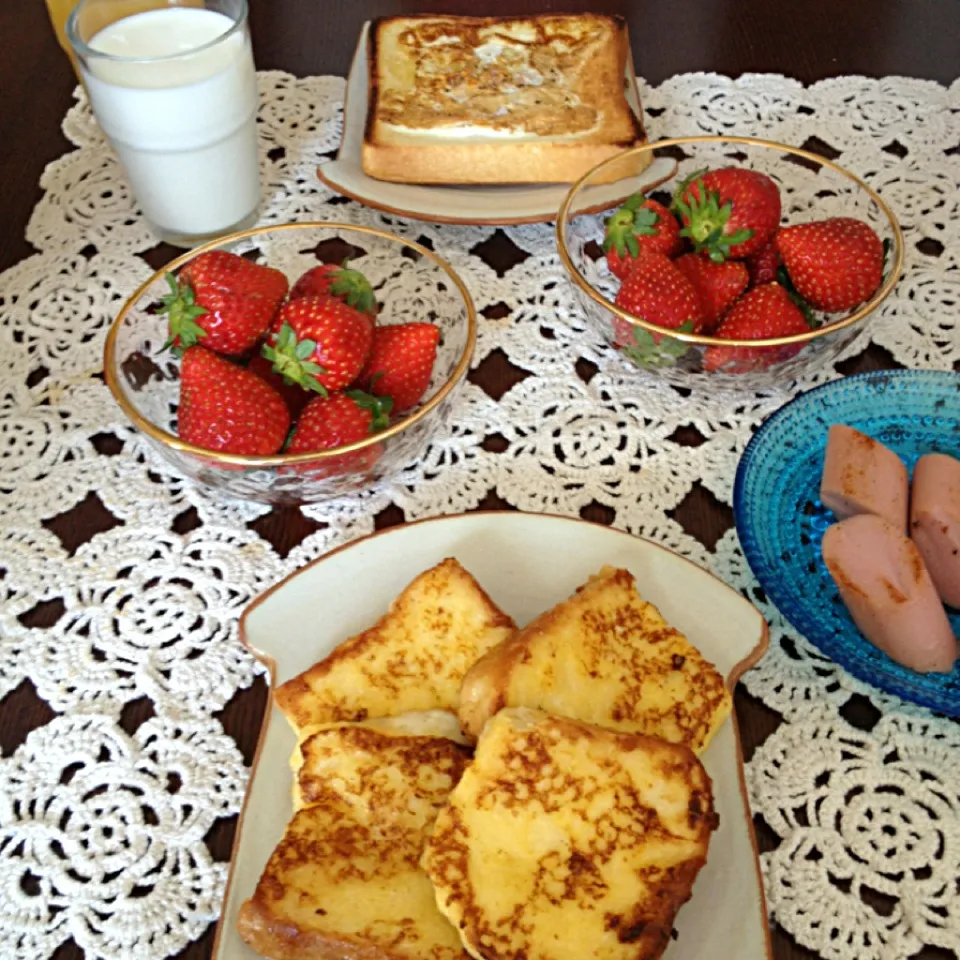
[527,563]
[499,205]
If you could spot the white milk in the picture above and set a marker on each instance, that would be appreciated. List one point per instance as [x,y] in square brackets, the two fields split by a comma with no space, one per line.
[184,128]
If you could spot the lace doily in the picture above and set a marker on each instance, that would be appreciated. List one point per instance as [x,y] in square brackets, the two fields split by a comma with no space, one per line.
[102,833]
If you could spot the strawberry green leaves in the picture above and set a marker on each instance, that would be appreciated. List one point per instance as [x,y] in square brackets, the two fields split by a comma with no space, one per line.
[633,219]
[291,359]
[182,311]
[655,352]
[730,212]
[354,288]
[379,408]
[639,225]
[705,219]
[342,282]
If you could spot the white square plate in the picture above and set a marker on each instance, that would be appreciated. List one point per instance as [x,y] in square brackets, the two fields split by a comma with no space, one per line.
[501,205]
[527,563]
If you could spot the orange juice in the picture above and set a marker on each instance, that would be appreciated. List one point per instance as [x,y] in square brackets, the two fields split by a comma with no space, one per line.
[59,10]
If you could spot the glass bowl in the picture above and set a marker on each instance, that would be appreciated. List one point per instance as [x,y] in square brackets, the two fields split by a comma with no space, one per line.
[811,187]
[411,283]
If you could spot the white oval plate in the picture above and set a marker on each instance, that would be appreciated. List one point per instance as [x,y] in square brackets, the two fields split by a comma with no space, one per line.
[527,563]
[477,205]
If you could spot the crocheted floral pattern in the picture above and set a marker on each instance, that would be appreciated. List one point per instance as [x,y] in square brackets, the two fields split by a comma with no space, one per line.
[103,834]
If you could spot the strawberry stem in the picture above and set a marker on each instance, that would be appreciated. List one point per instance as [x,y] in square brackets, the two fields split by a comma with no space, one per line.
[652,352]
[705,220]
[291,359]
[354,287]
[684,184]
[380,407]
[182,311]
[632,220]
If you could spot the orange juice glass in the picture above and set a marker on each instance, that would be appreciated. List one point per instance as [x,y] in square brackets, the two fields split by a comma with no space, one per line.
[59,11]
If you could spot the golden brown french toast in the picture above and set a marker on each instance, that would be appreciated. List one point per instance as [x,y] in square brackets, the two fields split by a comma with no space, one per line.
[345,880]
[533,99]
[364,753]
[603,656]
[414,658]
[565,840]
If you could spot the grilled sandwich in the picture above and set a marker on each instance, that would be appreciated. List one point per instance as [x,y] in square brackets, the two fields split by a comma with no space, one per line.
[345,880]
[413,659]
[534,99]
[603,656]
[564,840]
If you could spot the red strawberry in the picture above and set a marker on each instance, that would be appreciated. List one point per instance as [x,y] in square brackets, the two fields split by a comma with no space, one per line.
[656,291]
[319,343]
[337,420]
[227,408]
[294,396]
[761,313]
[835,264]
[763,264]
[223,300]
[401,363]
[639,225]
[622,333]
[717,284]
[329,280]
[730,212]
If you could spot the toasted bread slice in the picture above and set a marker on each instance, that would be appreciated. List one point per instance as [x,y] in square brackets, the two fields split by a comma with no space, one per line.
[414,658]
[537,99]
[565,840]
[603,656]
[345,880]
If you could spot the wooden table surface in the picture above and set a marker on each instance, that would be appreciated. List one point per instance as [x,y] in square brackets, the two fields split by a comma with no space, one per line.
[806,39]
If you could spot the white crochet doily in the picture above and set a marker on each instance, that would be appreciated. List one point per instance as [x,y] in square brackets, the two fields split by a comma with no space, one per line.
[102,833]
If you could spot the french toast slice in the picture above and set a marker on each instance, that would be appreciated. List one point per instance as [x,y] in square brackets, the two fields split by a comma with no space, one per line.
[345,882]
[565,840]
[414,658]
[603,656]
[412,746]
[525,99]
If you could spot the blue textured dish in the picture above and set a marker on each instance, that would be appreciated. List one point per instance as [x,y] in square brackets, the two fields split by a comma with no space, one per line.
[781,521]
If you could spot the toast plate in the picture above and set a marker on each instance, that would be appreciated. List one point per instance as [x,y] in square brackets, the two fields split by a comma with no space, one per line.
[476,205]
[527,563]
[781,521]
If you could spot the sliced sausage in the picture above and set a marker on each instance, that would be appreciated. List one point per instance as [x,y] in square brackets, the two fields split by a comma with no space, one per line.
[861,475]
[935,521]
[885,585]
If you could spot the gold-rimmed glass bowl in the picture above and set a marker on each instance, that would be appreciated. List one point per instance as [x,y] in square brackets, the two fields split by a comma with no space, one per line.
[411,283]
[811,187]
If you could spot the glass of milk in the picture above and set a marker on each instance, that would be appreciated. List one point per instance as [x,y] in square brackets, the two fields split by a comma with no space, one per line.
[172,85]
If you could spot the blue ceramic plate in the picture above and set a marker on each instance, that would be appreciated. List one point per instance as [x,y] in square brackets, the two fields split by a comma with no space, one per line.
[781,521]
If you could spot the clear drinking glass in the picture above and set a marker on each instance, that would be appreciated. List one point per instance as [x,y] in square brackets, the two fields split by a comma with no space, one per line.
[173,86]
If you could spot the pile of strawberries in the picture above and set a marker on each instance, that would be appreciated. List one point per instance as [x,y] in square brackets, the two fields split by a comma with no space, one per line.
[267,368]
[718,262]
